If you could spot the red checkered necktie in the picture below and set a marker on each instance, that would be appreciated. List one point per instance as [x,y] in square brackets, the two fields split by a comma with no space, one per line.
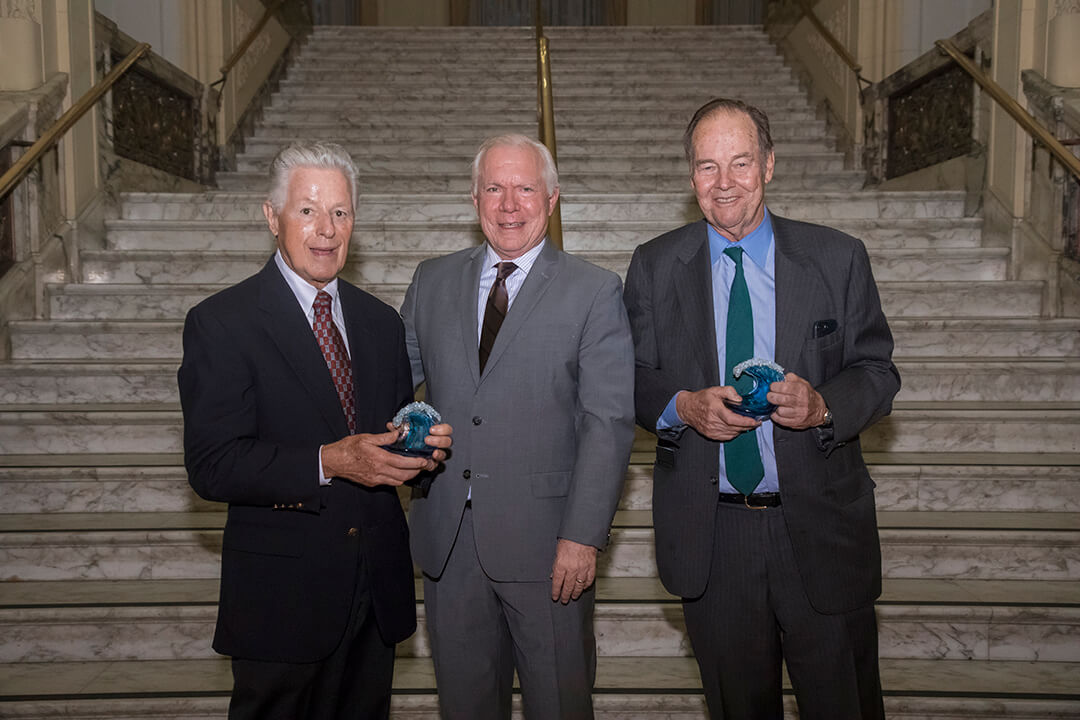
[337,357]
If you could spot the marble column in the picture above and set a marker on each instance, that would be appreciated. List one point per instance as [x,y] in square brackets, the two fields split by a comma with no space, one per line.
[20,36]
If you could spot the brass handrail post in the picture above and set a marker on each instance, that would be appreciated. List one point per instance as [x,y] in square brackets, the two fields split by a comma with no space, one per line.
[546,116]
[1032,126]
[52,136]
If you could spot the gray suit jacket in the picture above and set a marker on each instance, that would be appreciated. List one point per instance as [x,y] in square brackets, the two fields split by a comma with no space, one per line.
[544,434]
[827,493]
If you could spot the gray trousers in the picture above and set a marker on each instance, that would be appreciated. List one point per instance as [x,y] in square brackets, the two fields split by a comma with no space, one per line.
[755,613]
[482,630]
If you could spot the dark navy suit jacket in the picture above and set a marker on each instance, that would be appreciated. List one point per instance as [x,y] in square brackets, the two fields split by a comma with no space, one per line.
[258,403]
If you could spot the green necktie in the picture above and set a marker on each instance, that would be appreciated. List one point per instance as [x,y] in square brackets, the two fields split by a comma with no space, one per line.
[741,457]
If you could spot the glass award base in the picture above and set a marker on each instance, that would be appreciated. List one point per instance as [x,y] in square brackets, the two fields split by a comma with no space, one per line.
[762,374]
[414,423]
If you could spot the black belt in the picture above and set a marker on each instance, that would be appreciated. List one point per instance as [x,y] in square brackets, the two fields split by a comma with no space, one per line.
[756,501]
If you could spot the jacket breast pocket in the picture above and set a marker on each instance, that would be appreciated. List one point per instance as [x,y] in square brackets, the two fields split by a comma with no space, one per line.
[263,540]
[553,484]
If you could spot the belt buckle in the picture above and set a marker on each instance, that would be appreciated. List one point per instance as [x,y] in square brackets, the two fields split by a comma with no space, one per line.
[746,502]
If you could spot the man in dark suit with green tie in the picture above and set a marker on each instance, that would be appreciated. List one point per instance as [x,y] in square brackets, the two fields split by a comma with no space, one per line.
[766,529]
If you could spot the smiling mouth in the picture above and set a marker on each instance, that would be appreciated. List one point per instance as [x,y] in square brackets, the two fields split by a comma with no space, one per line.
[724,201]
[511,225]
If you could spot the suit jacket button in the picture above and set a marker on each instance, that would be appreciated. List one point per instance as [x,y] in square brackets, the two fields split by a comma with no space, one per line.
[466,474]
[477,420]
[353,532]
[713,479]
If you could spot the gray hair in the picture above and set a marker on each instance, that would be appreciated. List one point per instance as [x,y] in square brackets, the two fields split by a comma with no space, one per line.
[548,173]
[319,155]
[728,105]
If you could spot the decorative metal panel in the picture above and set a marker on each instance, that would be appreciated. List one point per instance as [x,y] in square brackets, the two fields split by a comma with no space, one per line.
[930,121]
[154,123]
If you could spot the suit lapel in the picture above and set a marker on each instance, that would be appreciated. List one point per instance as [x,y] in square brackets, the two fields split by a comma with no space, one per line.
[286,325]
[365,363]
[468,299]
[796,288]
[536,284]
[692,279]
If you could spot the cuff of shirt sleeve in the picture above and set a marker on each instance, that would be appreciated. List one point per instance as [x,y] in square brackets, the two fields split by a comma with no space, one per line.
[669,419]
[323,480]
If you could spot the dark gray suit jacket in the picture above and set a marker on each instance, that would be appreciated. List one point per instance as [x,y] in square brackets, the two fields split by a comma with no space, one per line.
[543,435]
[827,493]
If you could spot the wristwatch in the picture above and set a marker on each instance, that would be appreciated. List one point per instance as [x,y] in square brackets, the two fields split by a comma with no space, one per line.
[826,419]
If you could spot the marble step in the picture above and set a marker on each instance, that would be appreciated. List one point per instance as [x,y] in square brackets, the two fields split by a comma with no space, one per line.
[224,236]
[161,546]
[968,380]
[997,338]
[566,129]
[117,302]
[645,76]
[635,617]
[516,115]
[570,151]
[805,161]
[667,210]
[363,265]
[570,181]
[1031,483]
[625,689]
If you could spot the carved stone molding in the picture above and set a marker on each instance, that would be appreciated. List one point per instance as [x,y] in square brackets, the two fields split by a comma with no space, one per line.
[1065,7]
[243,22]
[20,10]
[834,67]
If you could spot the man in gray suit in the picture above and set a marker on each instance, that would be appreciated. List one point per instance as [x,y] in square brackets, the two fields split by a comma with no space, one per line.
[767,530]
[529,350]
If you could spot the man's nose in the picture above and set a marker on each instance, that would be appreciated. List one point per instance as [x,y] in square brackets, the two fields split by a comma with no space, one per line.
[324,225]
[508,202]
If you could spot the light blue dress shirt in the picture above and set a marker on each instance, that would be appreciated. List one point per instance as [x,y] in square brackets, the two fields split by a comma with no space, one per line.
[760,274]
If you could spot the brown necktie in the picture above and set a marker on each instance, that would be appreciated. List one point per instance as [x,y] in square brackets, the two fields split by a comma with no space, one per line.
[495,311]
[337,357]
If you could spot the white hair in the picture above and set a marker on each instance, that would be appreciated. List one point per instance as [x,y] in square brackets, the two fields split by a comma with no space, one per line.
[318,155]
[548,173]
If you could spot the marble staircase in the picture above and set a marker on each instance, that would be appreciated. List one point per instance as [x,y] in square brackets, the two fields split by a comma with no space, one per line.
[109,563]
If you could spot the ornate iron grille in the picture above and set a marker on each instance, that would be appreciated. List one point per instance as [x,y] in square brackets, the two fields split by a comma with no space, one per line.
[154,123]
[1070,226]
[7,218]
[930,121]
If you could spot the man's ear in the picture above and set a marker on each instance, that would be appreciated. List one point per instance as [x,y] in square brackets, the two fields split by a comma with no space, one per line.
[552,200]
[271,217]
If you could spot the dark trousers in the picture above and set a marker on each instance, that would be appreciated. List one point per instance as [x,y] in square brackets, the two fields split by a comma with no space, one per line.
[354,683]
[755,613]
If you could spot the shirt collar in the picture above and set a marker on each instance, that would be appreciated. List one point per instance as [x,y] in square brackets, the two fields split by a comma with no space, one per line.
[756,245]
[524,263]
[304,291]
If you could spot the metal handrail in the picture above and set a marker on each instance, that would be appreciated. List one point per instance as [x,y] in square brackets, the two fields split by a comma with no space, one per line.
[1009,105]
[545,115]
[19,170]
[247,42]
[835,44]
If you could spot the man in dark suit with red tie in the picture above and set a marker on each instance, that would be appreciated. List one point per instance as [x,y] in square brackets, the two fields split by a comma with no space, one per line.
[765,528]
[287,383]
